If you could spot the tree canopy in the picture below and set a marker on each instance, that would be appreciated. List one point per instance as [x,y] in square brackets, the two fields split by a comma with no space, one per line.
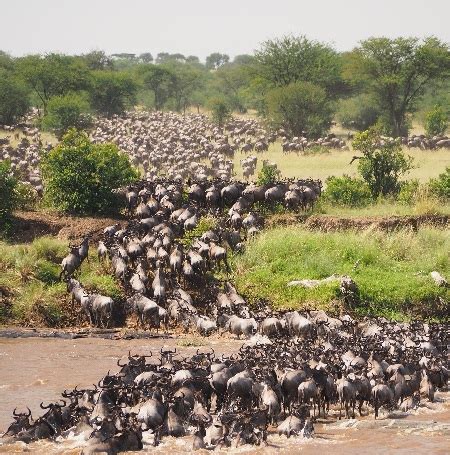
[396,73]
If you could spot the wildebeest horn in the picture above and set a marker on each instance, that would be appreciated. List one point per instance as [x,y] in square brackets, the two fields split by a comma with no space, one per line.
[119,364]
[61,405]
[14,412]
[29,412]
[44,407]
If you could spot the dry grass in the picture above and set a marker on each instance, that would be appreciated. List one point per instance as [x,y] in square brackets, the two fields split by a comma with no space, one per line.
[427,164]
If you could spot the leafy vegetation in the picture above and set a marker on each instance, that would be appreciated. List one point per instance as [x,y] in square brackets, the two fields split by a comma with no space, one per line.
[8,199]
[390,269]
[65,112]
[440,186]
[79,176]
[347,191]
[436,121]
[301,108]
[269,173]
[382,163]
[220,111]
[396,73]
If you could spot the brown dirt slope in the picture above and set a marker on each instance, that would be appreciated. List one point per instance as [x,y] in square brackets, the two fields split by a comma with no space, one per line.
[29,225]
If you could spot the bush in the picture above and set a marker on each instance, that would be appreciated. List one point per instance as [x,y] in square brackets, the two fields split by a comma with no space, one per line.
[220,110]
[408,191]
[112,93]
[347,191]
[65,112]
[382,163]
[436,122]
[301,108]
[79,176]
[26,196]
[8,199]
[359,112]
[440,187]
[269,173]
[14,99]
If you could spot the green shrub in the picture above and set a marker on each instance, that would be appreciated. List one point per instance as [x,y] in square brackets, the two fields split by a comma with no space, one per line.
[347,191]
[382,163]
[14,99]
[359,112]
[269,173]
[79,176]
[408,191]
[220,110]
[300,108]
[65,112]
[436,122]
[8,199]
[440,187]
[26,196]
[46,272]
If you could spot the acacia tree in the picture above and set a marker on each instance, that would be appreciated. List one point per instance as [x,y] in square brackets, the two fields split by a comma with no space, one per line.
[14,98]
[396,73]
[216,60]
[291,59]
[159,80]
[300,108]
[112,92]
[53,75]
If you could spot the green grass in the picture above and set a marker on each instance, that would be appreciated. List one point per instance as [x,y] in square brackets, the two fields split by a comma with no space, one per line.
[320,165]
[29,283]
[386,207]
[392,275]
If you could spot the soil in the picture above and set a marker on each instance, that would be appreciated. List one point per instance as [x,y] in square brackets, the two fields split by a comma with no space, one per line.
[29,225]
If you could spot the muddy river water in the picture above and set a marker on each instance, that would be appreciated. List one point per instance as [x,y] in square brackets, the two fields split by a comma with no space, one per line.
[36,369]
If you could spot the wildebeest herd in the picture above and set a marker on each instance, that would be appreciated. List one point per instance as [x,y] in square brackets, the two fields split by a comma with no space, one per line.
[315,367]
[176,146]
[294,369]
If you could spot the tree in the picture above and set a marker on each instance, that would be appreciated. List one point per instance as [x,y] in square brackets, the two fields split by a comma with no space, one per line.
[8,185]
[79,176]
[53,75]
[301,108]
[192,59]
[220,110]
[232,80]
[185,80]
[14,98]
[382,162]
[359,112]
[97,60]
[112,92]
[216,60]
[65,112]
[396,72]
[436,121]
[159,80]
[291,59]
[146,57]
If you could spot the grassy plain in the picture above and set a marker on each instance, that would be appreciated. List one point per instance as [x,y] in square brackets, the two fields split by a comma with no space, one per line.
[320,165]
[392,270]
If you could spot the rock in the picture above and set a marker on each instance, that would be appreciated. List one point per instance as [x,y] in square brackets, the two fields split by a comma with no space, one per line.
[439,279]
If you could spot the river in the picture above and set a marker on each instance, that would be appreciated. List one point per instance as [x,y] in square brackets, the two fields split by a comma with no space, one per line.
[38,369]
